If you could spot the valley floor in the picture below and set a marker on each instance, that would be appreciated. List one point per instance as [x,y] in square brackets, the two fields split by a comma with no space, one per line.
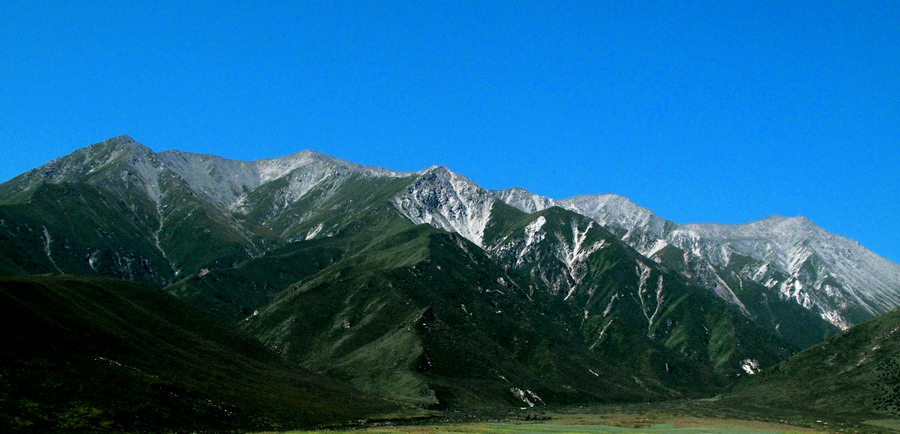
[689,416]
[589,424]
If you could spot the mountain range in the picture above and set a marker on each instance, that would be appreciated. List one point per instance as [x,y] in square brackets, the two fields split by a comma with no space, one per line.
[426,289]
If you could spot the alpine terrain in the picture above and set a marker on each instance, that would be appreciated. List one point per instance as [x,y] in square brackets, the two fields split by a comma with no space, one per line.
[773,269]
[423,288]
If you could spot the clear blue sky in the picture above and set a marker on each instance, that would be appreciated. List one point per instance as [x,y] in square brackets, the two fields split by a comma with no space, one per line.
[701,111]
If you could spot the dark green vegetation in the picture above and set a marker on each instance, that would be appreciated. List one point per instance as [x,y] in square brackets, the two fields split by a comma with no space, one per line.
[97,353]
[855,374]
[411,333]
[310,264]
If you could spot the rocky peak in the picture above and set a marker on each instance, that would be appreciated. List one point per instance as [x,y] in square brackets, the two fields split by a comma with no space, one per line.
[447,200]
[523,199]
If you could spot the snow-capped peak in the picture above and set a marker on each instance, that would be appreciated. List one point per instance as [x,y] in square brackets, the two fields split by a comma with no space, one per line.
[615,210]
[273,168]
[447,200]
[227,180]
[524,200]
[824,268]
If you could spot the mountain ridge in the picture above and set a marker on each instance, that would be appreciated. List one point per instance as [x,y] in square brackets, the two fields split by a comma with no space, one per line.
[520,197]
[712,243]
[228,182]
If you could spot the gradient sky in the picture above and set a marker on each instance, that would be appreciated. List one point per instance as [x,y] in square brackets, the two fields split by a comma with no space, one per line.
[707,111]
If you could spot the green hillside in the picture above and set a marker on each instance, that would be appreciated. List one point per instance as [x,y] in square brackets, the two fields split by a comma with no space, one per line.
[854,374]
[104,354]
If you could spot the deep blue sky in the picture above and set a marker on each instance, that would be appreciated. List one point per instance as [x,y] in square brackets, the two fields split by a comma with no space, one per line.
[701,112]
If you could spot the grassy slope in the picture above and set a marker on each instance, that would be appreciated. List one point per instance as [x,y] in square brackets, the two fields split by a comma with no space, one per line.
[853,374]
[96,353]
[357,221]
[425,318]
[353,305]
[105,222]
[694,333]
[82,222]
[198,234]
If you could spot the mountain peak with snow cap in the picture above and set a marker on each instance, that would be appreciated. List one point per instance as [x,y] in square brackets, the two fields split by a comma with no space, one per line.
[447,200]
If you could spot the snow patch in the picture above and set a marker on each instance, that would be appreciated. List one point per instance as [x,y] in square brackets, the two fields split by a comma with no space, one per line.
[47,240]
[657,246]
[574,252]
[255,313]
[643,271]
[750,366]
[726,293]
[835,318]
[158,231]
[609,306]
[528,397]
[92,260]
[601,335]
[533,232]
[313,232]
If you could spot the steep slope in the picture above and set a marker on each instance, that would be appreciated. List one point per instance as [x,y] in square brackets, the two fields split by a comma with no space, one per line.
[448,201]
[620,296]
[116,209]
[190,212]
[412,313]
[79,228]
[833,275]
[86,354]
[178,214]
[767,268]
[327,224]
[444,327]
[575,261]
[856,374]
